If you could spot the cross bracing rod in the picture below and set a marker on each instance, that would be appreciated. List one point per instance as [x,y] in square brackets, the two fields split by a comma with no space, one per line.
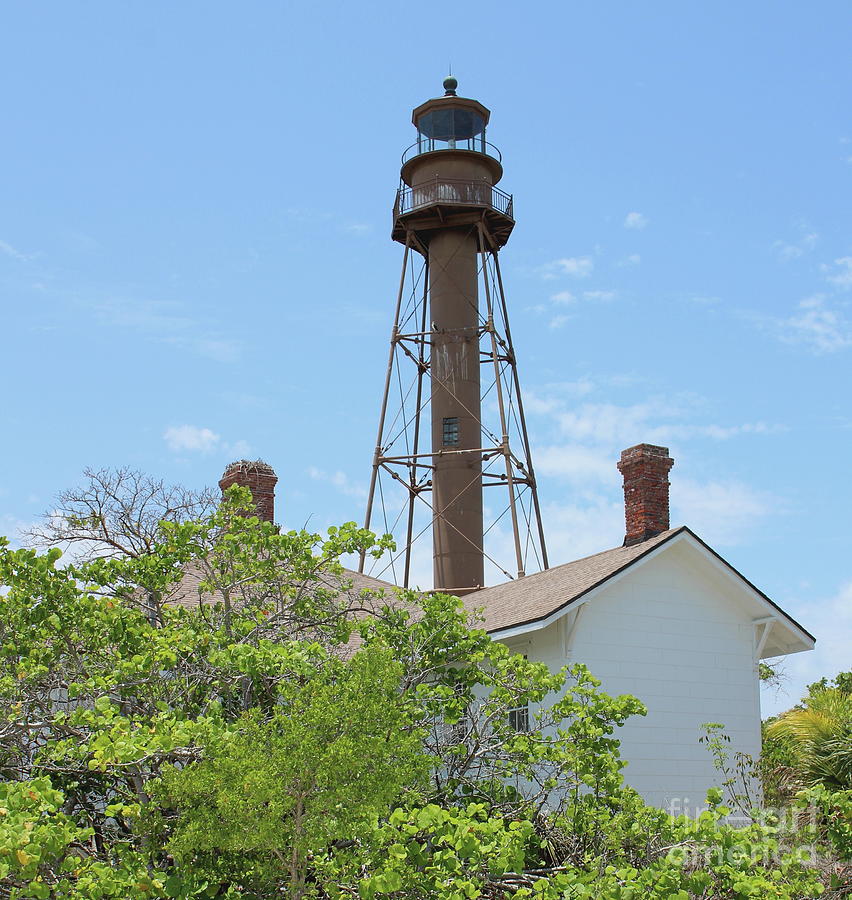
[419,461]
[425,364]
[501,407]
[497,478]
[461,535]
[442,452]
[522,417]
[412,460]
[419,362]
[422,368]
[375,472]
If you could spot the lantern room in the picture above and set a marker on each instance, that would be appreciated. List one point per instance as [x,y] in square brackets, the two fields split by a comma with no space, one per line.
[452,123]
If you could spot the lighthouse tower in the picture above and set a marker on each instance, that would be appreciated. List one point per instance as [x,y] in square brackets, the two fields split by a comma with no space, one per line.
[452,420]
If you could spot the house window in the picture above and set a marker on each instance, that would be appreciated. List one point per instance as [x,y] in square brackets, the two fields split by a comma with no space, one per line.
[519,718]
[451,431]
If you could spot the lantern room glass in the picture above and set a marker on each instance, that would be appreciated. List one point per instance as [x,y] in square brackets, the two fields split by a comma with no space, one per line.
[451,129]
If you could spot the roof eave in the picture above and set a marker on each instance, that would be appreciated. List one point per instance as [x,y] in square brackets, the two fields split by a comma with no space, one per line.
[802,639]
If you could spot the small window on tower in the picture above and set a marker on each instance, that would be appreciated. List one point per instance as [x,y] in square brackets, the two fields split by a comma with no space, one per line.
[451,431]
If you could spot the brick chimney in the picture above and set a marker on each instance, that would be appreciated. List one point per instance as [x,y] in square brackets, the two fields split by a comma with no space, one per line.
[260,478]
[646,491]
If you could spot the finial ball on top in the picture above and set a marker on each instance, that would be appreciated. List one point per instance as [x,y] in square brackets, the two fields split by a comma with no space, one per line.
[450,84]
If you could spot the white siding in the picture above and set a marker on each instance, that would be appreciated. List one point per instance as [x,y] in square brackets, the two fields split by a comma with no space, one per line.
[671,633]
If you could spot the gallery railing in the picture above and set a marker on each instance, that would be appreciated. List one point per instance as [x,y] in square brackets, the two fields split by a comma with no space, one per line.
[429,145]
[445,191]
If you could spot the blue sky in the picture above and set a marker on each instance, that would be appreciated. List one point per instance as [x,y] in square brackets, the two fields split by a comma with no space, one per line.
[195,262]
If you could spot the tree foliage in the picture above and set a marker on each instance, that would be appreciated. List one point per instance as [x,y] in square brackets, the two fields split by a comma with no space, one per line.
[811,744]
[320,768]
[224,715]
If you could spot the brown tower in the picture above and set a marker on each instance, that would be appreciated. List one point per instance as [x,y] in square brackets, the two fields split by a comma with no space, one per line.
[450,214]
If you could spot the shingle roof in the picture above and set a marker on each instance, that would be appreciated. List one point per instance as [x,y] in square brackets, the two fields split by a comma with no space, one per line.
[536,596]
[187,591]
[508,605]
[362,592]
[504,605]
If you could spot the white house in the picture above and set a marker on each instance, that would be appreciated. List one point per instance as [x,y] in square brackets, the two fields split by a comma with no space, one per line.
[662,617]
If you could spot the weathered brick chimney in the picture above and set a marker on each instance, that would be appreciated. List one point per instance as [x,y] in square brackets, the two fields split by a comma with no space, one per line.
[646,491]
[260,478]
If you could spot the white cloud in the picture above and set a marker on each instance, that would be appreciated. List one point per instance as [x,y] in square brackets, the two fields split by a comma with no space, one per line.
[635,220]
[18,530]
[725,432]
[73,552]
[817,326]
[632,260]
[655,420]
[583,444]
[787,251]
[793,251]
[567,298]
[557,322]
[575,266]
[573,530]
[841,276]
[358,229]
[577,464]
[9,250]
[721,512]
[190,438]
[550,397]
[576,530]
[616,425]
[564,297]
[14,528]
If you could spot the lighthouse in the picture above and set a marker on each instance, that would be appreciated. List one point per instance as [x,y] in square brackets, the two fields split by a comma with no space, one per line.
[459,427]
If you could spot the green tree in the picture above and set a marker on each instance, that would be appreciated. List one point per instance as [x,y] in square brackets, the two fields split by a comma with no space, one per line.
[285,734]
[842,682]
[103,694]
[820,737]
[322,767]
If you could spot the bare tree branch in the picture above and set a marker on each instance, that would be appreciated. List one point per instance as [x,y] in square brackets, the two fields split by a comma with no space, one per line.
[115,513]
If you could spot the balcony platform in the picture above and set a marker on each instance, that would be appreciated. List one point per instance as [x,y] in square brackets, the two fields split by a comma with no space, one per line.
[442,203]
